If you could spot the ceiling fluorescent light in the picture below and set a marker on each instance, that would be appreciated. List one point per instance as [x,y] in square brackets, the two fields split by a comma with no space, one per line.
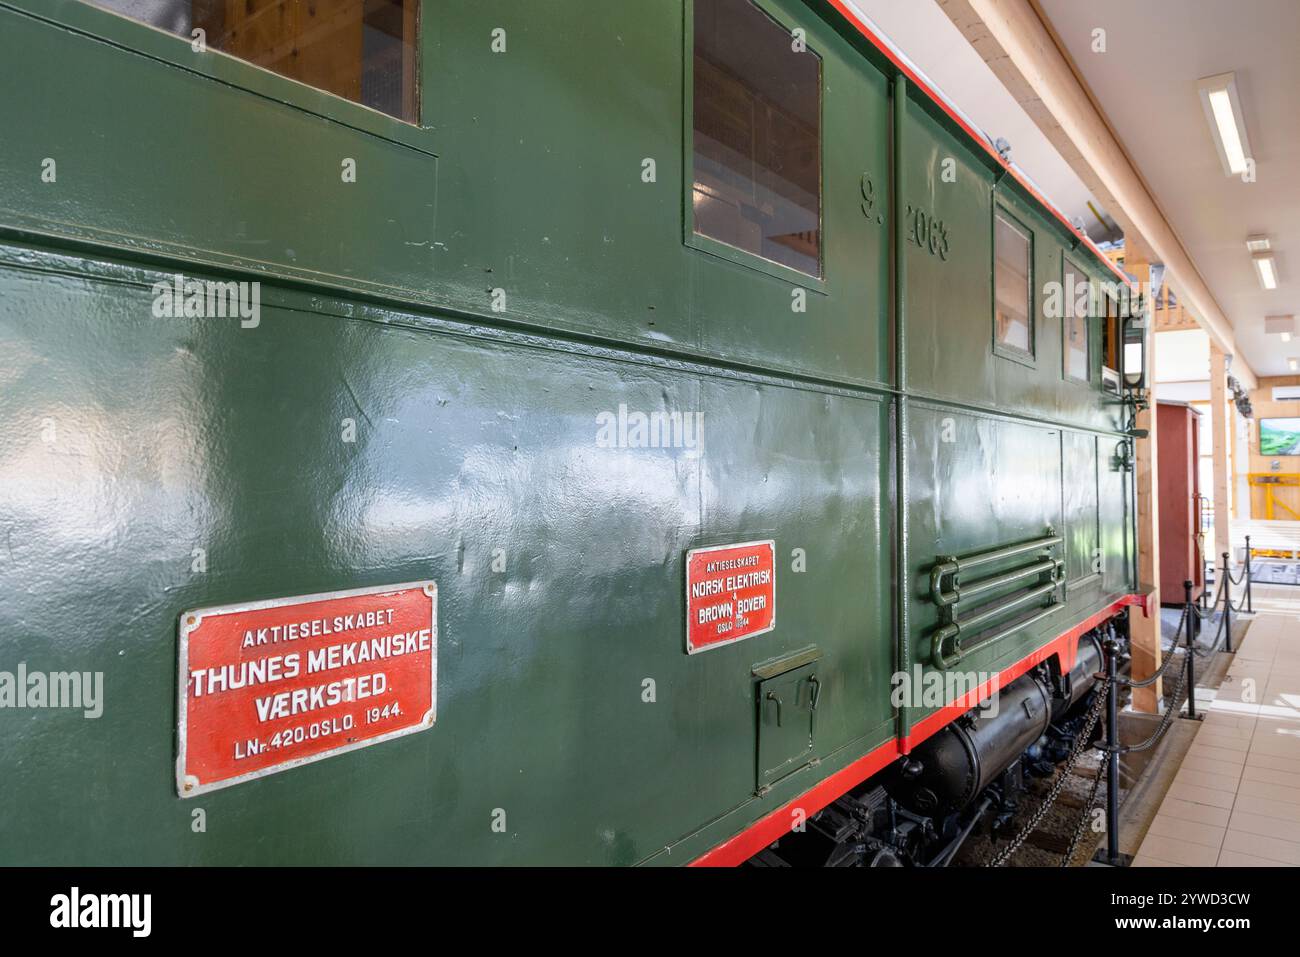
[1257,244]
[1223,112]
[1267,269]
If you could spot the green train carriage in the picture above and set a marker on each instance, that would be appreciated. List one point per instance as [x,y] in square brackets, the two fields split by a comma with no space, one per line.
[505,222]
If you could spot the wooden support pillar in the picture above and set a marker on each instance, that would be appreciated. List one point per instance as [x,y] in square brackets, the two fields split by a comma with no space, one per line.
[1220,423]
[1144,630]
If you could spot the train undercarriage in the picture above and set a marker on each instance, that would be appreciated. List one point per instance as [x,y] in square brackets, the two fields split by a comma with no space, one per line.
[970,777]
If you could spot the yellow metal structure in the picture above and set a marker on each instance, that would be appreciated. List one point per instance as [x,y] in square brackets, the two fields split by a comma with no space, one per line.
[1270,482]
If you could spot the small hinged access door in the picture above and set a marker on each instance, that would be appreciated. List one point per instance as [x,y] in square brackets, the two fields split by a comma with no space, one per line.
[787,710]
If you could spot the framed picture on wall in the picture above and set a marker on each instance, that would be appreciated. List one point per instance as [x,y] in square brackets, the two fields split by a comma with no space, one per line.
[1279,436]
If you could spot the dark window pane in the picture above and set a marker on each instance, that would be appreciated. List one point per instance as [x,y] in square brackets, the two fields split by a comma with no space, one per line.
[1014,325]
[362,50]
[1075,298]
[1110,334]
[757,119]
[1110,346]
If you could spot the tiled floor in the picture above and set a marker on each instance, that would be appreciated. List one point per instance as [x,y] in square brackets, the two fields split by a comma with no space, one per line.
[1236,799]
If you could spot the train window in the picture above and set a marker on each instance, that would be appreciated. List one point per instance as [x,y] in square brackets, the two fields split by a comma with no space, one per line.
[362,50]
[1012,289]
[757,136]
[1076,299]
[1110,345]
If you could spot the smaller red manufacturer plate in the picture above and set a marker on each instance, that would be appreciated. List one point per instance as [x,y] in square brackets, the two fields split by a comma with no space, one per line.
[270,685]
[730,594]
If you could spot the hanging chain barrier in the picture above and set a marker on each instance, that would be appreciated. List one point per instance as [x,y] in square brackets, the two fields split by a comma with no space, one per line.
[1189,607]
[1085,812]
[1106,696]
[1164,665]
[1081,744]
[1165,721]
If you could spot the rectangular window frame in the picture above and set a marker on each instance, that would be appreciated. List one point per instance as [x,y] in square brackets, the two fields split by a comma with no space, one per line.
[134,36]
[1069,264]
[1111,379]
[1001,350]
[715,247]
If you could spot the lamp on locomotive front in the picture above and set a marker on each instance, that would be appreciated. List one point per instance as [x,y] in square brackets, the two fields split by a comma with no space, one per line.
[1135,344]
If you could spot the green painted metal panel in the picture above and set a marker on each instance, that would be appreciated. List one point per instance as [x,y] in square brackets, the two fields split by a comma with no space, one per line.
[158,158]
[180,434]
[1081,519]
[947,359]
[946,184]
[979,481]
[1116,508]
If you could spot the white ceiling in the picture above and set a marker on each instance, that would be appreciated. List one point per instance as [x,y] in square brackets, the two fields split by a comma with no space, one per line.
[1145,83]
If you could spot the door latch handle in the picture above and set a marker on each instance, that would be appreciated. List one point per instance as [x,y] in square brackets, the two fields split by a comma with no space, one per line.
[816,691]
[773,696]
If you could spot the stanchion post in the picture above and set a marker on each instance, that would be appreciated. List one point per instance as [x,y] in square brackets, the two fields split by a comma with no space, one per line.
[1193,614]
[1191,654]
[1250,604]
[1227,607]
[1112,755]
